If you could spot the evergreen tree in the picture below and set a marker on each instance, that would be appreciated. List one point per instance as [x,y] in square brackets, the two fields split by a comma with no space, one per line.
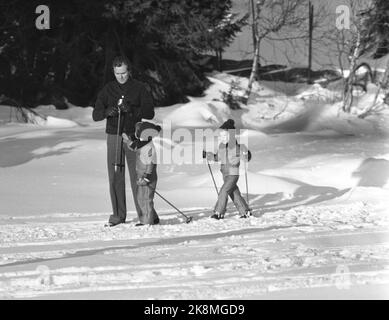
[163,39]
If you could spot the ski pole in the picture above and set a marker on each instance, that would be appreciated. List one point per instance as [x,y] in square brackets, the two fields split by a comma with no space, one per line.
[247,184]
[188,219]
[247,187]
[213,179]
[118,164]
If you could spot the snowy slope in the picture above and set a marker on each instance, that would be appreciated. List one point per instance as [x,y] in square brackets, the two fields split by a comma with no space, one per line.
[321,182]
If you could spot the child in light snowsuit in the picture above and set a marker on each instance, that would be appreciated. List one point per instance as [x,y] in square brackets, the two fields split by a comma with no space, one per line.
[229,154]
[146,169]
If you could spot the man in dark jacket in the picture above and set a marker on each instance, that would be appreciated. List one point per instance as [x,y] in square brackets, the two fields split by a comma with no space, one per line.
[131,99]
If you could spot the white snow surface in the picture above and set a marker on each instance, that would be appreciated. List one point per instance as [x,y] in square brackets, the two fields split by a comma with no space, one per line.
[318,185]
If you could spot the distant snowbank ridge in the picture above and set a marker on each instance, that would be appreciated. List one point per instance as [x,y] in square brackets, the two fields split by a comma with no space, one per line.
[48,116]
[279,107]
[273,107]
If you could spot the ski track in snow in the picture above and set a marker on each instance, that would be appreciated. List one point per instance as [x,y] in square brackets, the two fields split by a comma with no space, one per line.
[233,258]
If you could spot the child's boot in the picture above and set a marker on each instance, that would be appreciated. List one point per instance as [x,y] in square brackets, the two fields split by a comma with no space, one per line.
[217,215]
[248,214]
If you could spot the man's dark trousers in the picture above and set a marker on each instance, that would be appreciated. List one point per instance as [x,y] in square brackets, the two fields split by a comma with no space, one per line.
[117,187]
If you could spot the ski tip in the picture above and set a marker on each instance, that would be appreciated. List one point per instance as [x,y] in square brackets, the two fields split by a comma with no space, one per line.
[110,225]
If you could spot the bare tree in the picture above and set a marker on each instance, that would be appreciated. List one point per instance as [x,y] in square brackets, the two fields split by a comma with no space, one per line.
[269,17]
[350,46]
[348,89]
[255,13]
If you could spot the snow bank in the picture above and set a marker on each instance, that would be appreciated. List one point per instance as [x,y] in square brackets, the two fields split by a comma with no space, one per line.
[45,116]
[56,122]
[318,93]
[198,114]
[280,107]
[78,115]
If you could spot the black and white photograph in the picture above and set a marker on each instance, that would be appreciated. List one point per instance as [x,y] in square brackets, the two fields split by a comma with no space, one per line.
[187,150]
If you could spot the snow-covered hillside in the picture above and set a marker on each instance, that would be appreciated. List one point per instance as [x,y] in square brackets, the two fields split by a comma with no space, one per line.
[320,179]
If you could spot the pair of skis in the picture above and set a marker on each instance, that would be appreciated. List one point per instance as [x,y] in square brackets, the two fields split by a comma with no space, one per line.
[188,218]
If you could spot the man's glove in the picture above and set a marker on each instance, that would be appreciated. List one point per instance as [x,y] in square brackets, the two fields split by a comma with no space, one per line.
[124,106]
[112,112]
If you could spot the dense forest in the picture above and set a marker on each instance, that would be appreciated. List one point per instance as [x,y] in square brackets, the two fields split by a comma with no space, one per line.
[166,41]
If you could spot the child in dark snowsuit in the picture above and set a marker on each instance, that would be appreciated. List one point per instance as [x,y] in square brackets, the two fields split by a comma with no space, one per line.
[229,154]
[146,169]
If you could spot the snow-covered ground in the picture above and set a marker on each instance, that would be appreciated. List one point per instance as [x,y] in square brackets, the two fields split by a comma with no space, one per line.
[320,178]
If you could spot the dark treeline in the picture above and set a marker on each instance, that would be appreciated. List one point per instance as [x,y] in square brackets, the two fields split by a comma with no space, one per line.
[164,39]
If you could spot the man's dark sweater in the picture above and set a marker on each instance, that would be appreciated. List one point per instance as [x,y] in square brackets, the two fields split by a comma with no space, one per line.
[136,97]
